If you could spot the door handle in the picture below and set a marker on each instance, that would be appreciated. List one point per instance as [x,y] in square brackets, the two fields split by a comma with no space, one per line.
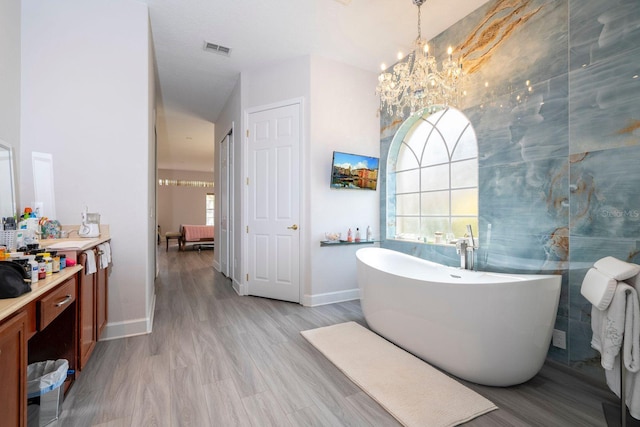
[293,227]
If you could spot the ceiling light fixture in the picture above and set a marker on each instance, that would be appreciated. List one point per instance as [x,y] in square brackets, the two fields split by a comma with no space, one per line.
[415,83]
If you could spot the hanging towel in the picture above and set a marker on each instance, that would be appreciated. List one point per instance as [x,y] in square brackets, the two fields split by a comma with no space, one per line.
[633,387]
[104,249]
[617,269]
[634,281]
[90,266]
[610,326]
[598,288]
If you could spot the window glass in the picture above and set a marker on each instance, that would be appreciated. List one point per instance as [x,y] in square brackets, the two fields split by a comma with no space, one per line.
[408,228]
[435,203]
[407,159]
[417,136]
[464,202]
[408,181]
[408,204]
[435,180]
[433,224]
[210,208]
[436,151]
[467,146]
[464,173]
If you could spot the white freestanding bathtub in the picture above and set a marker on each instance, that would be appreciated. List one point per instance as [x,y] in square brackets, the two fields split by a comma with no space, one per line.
[488,328]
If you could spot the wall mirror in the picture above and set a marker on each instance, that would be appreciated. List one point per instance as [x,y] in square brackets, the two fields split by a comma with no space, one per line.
[7,181]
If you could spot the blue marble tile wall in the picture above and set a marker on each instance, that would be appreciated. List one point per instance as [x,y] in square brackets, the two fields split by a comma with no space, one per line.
[554,98]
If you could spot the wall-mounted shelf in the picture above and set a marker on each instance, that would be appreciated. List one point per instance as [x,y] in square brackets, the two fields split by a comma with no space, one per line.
[345,243]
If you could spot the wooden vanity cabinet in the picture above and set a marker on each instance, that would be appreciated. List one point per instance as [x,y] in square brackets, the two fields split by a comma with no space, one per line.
[102,299]
[86,313]
[93,307]
[13,370]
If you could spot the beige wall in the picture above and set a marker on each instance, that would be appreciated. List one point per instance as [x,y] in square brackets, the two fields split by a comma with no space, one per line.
[182,205]
[10,76]
[85,99]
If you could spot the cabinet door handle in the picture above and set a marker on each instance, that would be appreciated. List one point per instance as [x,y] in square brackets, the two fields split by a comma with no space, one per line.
[64,301]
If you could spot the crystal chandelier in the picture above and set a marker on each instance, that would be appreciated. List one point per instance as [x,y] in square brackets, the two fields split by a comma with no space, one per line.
[416,83]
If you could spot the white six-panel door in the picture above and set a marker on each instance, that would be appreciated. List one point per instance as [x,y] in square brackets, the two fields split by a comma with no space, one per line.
[273,203]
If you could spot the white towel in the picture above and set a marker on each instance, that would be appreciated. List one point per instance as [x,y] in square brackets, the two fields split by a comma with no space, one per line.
[620,320]
[634,281]
[633,387]
[104,249]
[90,266]
[598,288]
[619,270]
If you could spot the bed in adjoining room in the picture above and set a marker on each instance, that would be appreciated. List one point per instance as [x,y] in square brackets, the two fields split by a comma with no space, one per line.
[198,235]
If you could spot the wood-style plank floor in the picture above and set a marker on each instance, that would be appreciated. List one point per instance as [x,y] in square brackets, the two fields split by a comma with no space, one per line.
[217,359]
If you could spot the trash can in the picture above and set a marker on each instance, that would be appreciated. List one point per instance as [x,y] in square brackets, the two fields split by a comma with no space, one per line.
[44,394]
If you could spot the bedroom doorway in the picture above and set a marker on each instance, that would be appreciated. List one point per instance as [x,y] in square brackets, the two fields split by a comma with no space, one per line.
[273,201]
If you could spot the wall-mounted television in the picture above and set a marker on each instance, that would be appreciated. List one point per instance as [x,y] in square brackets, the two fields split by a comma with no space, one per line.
[354,171]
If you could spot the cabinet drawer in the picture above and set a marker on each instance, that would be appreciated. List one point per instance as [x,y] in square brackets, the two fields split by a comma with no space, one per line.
[56,302]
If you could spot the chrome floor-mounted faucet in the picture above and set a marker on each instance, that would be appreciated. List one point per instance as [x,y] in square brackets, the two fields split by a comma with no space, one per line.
[465,247]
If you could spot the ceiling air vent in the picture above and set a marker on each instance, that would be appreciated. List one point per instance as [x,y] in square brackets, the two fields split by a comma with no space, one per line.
[216,48]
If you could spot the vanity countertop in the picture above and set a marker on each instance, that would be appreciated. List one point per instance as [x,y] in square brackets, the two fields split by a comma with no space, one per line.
[76,243]
[9,306]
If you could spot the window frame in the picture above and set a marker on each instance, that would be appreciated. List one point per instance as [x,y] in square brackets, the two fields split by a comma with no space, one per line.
[211,210]
[419,150]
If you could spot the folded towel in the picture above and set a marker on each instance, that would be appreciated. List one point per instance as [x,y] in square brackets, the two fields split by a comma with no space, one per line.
[617,269]
[610,327]
[104,249]
[598,288]
[90,266]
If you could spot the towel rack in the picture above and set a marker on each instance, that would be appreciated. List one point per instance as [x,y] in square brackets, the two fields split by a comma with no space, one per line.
[619,416]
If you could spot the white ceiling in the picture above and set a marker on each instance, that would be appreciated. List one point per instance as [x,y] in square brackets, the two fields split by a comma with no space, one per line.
[193,84]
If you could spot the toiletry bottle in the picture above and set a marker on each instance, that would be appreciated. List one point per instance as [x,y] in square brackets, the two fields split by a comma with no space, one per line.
[369,234]
[33,264]
[349,236]
[357,234]
[56,264]
[48,263]
[42,267]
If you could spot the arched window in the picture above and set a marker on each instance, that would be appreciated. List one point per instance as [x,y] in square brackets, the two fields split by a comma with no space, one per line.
[432,177]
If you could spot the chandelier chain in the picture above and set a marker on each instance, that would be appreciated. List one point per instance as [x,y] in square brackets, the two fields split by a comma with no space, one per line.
[419,22]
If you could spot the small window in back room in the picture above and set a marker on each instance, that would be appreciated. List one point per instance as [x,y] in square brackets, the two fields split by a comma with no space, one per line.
[210,204]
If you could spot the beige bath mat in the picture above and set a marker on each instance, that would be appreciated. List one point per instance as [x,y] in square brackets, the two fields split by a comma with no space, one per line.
[415,393]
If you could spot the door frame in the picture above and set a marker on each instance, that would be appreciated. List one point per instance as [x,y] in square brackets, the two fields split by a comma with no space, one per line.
[225,245]
[244,286]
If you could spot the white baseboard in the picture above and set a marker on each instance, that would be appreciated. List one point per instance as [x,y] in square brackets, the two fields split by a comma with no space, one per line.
[216,266]
[330,297]
[130,328]
[239,287]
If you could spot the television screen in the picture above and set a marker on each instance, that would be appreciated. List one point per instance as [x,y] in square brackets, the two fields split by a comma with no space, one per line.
[354,171]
